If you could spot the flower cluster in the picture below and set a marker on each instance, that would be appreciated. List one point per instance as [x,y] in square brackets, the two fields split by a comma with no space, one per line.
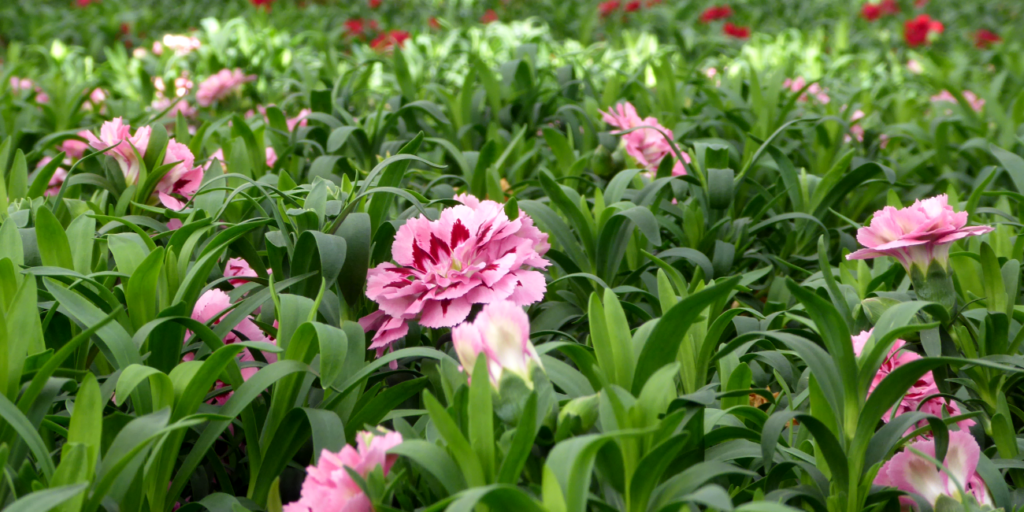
[128,148]
[973,100]
[330,488]
[921,396]
[921,30]
[221,85]
[915,235]
[715,12]
[647,145]
[473,254]
[910,472]
[178,43]
[871,11]
[182,180]
[797,84]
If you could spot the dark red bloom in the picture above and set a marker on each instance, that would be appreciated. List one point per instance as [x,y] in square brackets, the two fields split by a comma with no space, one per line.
[871,12]
[715,13]
[920,3]
[985,38]
[633,6]
[374,4]
[259,3]
[889,7]
[125,29]
[389,40]
[489,17]
[84,3]
[434,24]
[916,31]
[607,8]
[736,31]
[356,27]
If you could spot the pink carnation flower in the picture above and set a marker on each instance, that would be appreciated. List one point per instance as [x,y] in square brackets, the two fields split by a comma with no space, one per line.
[117,133]
[797,84]
[299,120]
[75,148]
[59,175]
[909,472]
[182,180]
[238,267]
[646,145]
[473,254]
[502,332]
[212,305]
[216,156]
[271,156]
[180,106]
[973,100]
[915,235]
[915,397]
[221,85]
[329,487]
[180,44]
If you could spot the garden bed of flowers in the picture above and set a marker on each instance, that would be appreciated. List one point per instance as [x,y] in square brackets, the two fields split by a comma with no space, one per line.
[510,255]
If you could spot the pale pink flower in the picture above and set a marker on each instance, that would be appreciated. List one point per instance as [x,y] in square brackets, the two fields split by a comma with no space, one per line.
[158,48]
[329,487]
[182,180]
[501,331]
[221,85]
[117,133]
[299,120]
[710,72]
[648,146]
[855,128]
[179,44]
[213,305]
[473,254]
[180,106]
[218,156]
[973,100]
[271,156]
[174,224]
[797,84]
[74,148]
[915,235]
[915,67]
[909,472]
[19,85]
[916,396]
[238,267]
[59,175]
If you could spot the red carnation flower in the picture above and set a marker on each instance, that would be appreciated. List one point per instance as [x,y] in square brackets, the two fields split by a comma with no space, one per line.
[84,3]
[985,38]
[633,6]
[607,8]
[920,3]
[389,40]
[374,4]
[356,27]
[434,24]
[917,30]
[489,17]
[871,12]
[889,7]
[260,3]
[736,31]
[715,13]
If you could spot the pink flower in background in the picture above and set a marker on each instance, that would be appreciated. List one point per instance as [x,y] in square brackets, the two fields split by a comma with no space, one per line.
[96,98]
[182,180]
[238,267]
[973,100]
[909,472]
[181,106]
[855,128]
[216,156]
[299,120]
[221,85]
[59,175]
[646,145]
[271,157]
[489,17]
[917,397]
[915,235]
[501,331]
[75,148]
[117,133]
[212,305]
[473,254]
[797,84]
[915,67]
[19,85]
[329,487]
[180,43]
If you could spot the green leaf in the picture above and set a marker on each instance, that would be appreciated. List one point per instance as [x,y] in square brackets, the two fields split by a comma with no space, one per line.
[54,248]
[17,180]
[46,499]
[481,421]
[467,459]
[141,294]
[1013,164]
[672,327]
[435,461]
[522,444]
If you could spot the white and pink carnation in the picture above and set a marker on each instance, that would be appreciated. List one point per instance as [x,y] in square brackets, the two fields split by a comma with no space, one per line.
[473,254]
